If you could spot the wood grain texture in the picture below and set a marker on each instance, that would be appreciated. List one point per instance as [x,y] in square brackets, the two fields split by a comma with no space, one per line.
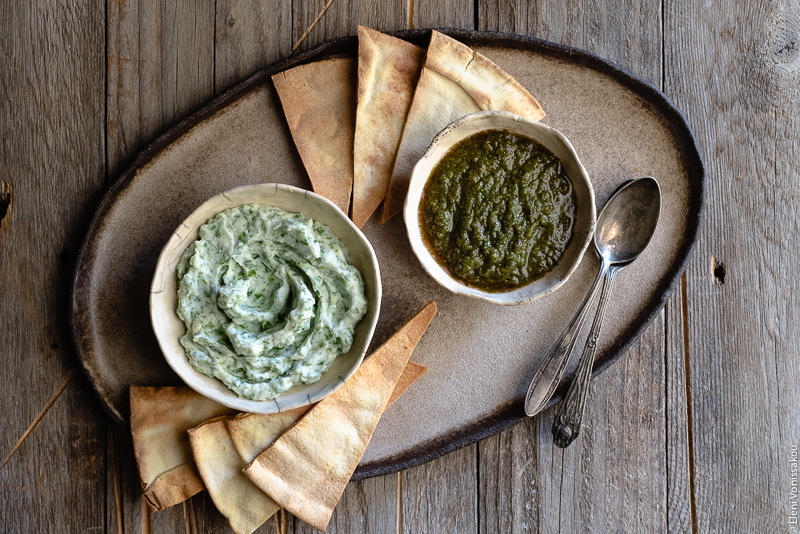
[680,505]
[741,306]
[442,495]
[51,169]
[449,14]
[250,34]
[343,18]
[160,62]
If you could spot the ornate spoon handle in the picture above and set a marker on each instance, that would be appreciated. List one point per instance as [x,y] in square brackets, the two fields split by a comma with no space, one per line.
[567,423]
[549,373]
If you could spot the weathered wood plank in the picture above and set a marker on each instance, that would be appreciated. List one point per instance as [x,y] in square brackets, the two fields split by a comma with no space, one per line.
[449,14]
[679,475]
[340,20]
[160,68]
[52,157]
[742,313]
[250,34]
[621,454]
[511,479]
[622,470]
[442,495]
[343,18]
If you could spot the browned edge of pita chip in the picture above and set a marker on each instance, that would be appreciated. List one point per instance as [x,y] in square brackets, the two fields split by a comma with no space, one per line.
[487,83]
[308,467]
[410,374]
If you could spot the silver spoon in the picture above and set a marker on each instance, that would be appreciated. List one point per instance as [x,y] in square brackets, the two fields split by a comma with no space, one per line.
[624,228]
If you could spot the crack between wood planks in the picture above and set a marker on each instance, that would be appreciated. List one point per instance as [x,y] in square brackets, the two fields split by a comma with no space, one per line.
[111,436]
[478,485]
[410,14]
[105,100]
[147,517]
[665,318]
[40,416]
[777,294]
[5,200]
[189,517]
[312,25]
[399,503]
[689,409]
[214,54]
[663,47]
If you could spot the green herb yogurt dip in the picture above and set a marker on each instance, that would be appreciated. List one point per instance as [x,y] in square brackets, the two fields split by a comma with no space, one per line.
[269,299]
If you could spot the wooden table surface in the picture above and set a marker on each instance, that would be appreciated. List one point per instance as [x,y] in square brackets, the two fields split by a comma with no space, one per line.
[694,429]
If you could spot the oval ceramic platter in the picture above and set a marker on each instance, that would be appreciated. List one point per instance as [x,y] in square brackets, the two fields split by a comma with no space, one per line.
[480,355]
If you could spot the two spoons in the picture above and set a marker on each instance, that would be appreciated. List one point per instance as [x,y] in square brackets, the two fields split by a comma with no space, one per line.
[625,226]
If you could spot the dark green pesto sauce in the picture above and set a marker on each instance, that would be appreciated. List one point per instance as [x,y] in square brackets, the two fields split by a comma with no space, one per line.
[498,210]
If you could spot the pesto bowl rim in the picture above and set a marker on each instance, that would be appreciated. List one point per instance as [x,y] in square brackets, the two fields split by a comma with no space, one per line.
[586,214]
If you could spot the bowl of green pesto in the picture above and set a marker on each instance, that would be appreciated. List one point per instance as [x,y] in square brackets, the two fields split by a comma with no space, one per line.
[500,208]
[266,298]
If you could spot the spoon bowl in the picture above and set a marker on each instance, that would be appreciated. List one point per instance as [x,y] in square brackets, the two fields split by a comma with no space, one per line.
[628,220]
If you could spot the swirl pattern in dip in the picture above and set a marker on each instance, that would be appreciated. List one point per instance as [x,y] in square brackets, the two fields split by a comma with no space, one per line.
[269,299]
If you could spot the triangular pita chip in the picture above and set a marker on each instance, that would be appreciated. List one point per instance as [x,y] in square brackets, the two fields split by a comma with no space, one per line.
[319,101]
[388,69]
[160,418]
[220,466]
[308,467]
[454,82]
[251,433]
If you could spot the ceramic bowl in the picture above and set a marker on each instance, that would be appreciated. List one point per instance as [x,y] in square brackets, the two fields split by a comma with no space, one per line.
[169,327]
[554,141]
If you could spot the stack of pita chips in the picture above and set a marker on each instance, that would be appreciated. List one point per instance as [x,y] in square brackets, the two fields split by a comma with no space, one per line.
[160,418]
[223,445]
[404,97]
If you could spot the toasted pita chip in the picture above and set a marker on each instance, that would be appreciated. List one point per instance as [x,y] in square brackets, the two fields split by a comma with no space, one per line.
[251,433]
[388,69]
[220,466]
[412,371]
[308,467]
[454,82]
[160,418]
[319,101]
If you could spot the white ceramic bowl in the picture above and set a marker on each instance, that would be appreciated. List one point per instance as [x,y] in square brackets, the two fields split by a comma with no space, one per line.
[169,327]
[554,141]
